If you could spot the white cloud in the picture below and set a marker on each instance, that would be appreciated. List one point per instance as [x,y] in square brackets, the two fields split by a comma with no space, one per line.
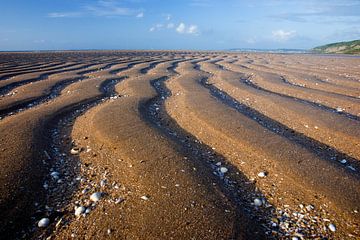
[168,17]
[158,26]
[63,14]
[102,8]
[283,36]
[181,28]
[192,29]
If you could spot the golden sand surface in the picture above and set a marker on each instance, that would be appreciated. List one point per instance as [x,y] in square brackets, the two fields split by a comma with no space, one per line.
[179,145]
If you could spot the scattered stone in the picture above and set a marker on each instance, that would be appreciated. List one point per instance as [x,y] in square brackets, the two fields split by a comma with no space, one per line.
[103,183]
[351,168]
[262,174]
[145,198]
[96,196]
[339,109]
[223,170]
[44,222]
[343,161]
[332,227]
[118,200]
[79,210]
[257,202]
[55,175]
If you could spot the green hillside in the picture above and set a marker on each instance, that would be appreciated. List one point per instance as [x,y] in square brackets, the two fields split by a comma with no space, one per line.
[352,47]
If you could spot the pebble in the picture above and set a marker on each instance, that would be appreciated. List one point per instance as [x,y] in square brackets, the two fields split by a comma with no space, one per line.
[223,170]
[145,198]
[102,183]
[55,175]
[332,227]
[295,238]
[262,174]
[44,222]
[257,202]
[343,161]
[339,109]
[79,210]
[95,196]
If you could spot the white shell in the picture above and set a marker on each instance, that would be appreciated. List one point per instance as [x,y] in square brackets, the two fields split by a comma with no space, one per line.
[75,151]
[79,210]
[332,227]
[44,222]
[95,196]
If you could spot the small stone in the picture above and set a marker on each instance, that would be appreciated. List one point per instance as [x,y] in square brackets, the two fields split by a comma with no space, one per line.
[145,198]
[118,200]
[257,202]
[262,174]
[103,183]
[295,238]
[44,222]
[55,175]
[79,210]
[343,161]
[309,208]
[223,170]
[332,227]
[339,109]
[96,196]
[109,231]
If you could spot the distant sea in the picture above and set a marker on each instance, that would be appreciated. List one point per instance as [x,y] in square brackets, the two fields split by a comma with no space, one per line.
[269,50]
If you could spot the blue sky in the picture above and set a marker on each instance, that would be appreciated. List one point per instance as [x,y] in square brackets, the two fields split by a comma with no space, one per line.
[175,24]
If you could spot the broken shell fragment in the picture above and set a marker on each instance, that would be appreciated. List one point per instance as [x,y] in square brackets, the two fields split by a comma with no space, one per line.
[75,151]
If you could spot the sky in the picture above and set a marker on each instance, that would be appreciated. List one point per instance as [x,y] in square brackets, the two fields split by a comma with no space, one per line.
[176,24]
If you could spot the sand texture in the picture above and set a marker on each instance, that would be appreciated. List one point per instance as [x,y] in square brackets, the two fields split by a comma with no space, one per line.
[179,145]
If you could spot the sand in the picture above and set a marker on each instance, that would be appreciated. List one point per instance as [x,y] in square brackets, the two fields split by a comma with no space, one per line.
[174,143]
